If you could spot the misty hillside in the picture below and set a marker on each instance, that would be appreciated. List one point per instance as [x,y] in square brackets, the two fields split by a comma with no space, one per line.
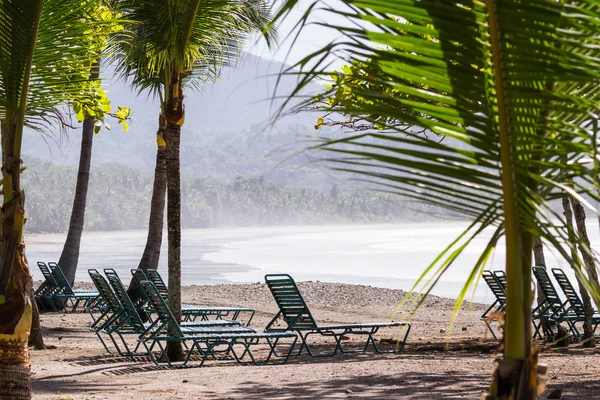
[227,131]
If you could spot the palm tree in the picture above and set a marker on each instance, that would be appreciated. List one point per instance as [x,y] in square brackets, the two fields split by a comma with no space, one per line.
[179,39]
[510,84]
[92,112]
[48,35]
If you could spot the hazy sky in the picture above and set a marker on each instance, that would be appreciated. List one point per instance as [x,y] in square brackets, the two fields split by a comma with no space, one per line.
[312,38]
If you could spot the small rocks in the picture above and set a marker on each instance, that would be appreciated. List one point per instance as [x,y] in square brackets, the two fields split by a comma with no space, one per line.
[442,330]
[464,328]
[348,391]
[184,381]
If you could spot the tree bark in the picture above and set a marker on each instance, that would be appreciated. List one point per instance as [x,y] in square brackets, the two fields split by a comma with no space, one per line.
[588,262]
[15,279]
[151,254]
[70,255]
[588,332]
[35,338]
[173,135]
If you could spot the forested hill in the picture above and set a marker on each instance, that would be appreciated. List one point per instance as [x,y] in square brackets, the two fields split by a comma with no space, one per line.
[227,131]
[119,198]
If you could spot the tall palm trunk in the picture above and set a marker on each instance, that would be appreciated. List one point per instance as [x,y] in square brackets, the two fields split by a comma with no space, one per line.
[151,254]
[174,116]
[70,255]
[588,262]
[15,279]
[588,331]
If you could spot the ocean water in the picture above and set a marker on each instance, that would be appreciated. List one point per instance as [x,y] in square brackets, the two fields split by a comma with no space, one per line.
[387,255]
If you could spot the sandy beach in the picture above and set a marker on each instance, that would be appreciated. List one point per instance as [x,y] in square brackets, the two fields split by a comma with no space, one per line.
[436,364]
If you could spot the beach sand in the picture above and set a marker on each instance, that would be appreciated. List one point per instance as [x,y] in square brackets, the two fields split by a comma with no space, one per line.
[437,363]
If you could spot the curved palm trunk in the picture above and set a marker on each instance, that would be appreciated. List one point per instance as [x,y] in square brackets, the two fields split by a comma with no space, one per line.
[70,255]
[588,262]
[151,254]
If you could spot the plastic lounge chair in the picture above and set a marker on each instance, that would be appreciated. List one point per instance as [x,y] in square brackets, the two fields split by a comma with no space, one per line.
[72,299]
[191,312]
[552,309]
[298,318]
[44,293]
[121,318]
[575,310]
[209,341]
[498,289]
[117,286]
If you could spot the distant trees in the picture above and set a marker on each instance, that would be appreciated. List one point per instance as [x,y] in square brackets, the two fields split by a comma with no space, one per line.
[118,199]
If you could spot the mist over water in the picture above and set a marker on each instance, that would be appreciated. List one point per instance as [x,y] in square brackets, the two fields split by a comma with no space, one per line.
[390,255]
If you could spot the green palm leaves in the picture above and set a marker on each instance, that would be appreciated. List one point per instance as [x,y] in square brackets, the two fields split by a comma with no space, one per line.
[513,87]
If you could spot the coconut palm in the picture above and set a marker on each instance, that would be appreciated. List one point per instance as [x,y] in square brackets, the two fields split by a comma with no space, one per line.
[513,86]
[44,63]
[173,43]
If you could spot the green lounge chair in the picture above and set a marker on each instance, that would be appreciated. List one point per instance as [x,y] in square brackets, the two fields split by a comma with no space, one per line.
[121,293]
[298,318]
[575,310]
[60,296]
[552,310]
[191,312]
[44,293]
[209,342]
[494,282]
[121,318]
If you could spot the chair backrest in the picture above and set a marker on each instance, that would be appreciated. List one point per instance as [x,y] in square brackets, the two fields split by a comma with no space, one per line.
[49,284]
[60,278]
[569,291]
[164,314]
[139,275]
[154,277]
[495,286]
[293,308]
[501,276]
[121,293]
[547,288]
[105,291]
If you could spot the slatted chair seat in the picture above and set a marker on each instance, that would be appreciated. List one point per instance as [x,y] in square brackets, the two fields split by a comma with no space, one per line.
[297,317]
[239,342]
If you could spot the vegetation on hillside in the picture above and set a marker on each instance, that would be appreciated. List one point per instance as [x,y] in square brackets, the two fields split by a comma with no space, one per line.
[119,200]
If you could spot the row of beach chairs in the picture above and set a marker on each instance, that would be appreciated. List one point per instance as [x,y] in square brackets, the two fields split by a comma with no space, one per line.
[144,325]
[550,312]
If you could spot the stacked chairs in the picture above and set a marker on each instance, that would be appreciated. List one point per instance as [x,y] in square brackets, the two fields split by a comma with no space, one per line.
[56,294]
[191,312]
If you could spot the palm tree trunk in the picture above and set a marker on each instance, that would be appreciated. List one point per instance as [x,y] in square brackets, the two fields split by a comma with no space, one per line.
[15,279]
[151,254]
[16,383]
[538,252]
[588,262]
[588,331]
[173,135]
[35,338]
[70,255]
